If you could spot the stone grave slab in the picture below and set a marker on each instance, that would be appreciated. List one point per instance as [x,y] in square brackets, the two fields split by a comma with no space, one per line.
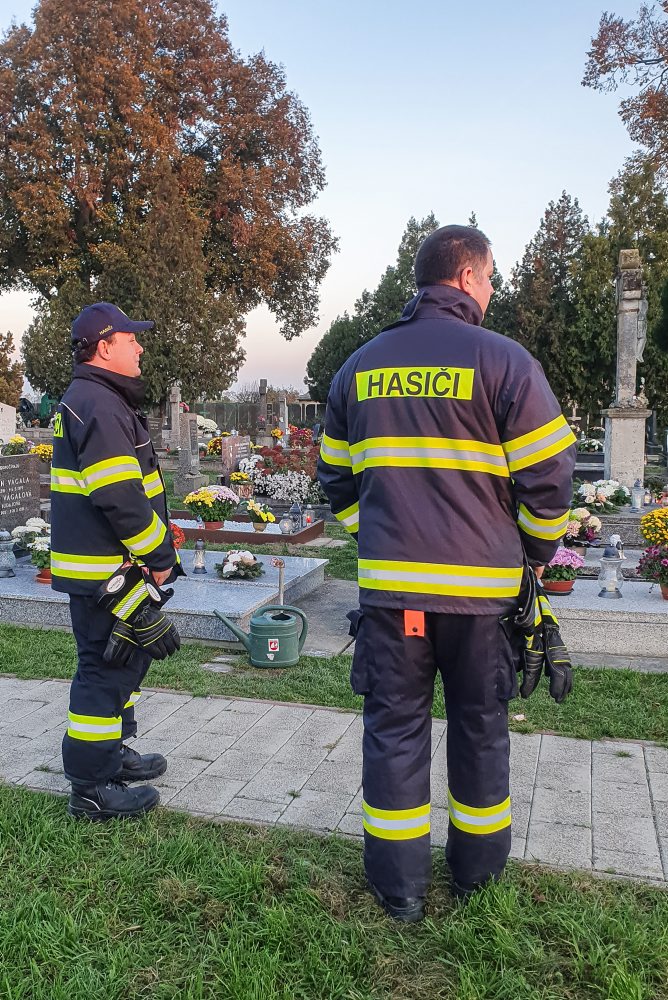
[25,602]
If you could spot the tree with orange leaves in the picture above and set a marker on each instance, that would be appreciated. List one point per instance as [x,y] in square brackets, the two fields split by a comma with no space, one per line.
[144,161]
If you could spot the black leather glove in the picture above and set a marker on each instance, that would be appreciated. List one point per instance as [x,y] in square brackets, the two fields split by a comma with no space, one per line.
[155,633]
[557,665]
[121,643]
[533,659]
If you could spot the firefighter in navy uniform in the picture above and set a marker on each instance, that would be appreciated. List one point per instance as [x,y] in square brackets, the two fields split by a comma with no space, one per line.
[109,516]
[446,455]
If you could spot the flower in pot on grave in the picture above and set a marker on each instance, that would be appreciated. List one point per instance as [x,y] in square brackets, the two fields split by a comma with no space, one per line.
[583,529]
[40,556]
[239,564]
[653,566]
[259,514]
[277,433]
[212,504]
[654,526]
[25,534]
[17,445]
[559,574]
[44,452]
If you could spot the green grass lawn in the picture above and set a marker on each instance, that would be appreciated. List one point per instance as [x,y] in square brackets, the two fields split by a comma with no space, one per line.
[619,704]
[172,907]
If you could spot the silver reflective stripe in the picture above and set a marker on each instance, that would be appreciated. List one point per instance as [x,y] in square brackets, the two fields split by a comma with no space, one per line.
[403,576]
[454,454]
[114,470]
[397,824]
[474,820]
[341,453]
[89,727]
[531,449]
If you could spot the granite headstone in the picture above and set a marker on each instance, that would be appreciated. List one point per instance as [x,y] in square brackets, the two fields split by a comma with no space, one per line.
[19,490]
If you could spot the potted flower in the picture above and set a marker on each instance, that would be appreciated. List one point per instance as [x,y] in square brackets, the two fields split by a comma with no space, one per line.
[241,482]
[178,534]
[654,526]
[40,556]
[259,514]
[45,454]
[17,445]
[239,564]
[582,530]
[212,504]
[559,574]
[277,433]
[601,496]
[653,565]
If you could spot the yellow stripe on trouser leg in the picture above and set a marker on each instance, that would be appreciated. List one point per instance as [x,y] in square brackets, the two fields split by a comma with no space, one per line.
[396,824]
[94,728]
[133,699]
[471,819]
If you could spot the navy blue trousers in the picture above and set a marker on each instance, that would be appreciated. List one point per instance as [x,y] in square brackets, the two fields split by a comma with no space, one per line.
[102,698]
[395,673]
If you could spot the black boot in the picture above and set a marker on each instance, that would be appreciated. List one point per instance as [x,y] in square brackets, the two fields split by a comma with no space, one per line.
[140,766]
[112,800]
[407,909]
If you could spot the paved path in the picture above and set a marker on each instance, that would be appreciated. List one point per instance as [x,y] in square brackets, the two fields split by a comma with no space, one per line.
[576,804]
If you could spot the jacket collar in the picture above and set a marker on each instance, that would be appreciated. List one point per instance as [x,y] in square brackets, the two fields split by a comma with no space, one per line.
[132,390]
[444,302]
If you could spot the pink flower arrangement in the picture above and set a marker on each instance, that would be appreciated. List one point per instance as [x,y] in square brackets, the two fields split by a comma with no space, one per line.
[564,565]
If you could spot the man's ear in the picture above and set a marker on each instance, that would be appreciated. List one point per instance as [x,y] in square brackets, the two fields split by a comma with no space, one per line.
[466,279]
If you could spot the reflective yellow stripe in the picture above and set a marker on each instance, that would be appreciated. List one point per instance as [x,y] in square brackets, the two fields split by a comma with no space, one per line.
[148,539]
[397,383]
[67,481]
[131,601]
[542,527]
[77,567]
[396,824]
[94,728]
[536,446]
[153,484]
[111,471]
[546,609]
[334,452]
[479,821]
[429,452]
[350,517]
[439,578]
[133,699]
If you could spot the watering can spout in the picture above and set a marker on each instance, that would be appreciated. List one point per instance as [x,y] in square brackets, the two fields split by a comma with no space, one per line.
[241,635]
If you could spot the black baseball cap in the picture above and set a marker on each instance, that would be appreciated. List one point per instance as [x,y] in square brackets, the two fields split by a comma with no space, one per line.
[102,320]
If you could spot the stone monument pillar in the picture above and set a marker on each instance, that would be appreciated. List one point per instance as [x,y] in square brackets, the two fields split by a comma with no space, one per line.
[625,419]
[174,404]
[264,438]
[188,477]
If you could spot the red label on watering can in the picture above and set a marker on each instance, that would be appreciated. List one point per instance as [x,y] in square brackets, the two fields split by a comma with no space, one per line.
[273,645]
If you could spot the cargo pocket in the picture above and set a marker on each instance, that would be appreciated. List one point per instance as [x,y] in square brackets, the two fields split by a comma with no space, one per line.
[359,674]
[508,664]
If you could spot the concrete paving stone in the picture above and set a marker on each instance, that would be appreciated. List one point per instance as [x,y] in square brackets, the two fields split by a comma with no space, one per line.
[624,832]
[439,726]
[204,746]
[663,847]
[10,743]
[316,810]
[15,766]
[150,744]
[157,709]
[439,826]
[518,846]
[54,690]
[167,735]
[238,763]
[16,687]
[658,783]
[180,770]
[274,782]
[564,777]
[561,749]
[18,708]
[324,728]
[661,817]
[333,777]
[46,781]
[47,741]
[657,759]
[525,745]
[254,809]
[356,804]
[560,845]
[520,809]
[248,707]
[351,824]
[629,863]
[346,752]
[230,723]
[615,747]
[617,798]
[550,806]
[218,668]
[305,756]
[207,795]
[199,711]
[286,716]
[263,740]
[622,770]
[42,721]
[439,793]
[167,792]
[436,739]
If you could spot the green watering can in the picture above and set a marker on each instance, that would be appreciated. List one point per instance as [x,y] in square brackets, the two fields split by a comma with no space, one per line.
[274,639]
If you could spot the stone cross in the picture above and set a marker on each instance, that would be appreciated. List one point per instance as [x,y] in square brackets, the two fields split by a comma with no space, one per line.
[188,477]
[625,419]
[174,404]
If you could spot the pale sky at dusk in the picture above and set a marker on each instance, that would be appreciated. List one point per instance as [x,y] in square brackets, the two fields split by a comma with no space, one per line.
[424,107]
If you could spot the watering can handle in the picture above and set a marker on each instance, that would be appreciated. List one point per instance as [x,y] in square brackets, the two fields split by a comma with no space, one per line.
[296,611]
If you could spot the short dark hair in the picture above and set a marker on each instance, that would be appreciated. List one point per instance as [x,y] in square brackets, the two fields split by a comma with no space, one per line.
[86,352]
[447,251]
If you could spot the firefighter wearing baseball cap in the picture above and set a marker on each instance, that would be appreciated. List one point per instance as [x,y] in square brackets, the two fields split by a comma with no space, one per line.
[446,455]
[109,523]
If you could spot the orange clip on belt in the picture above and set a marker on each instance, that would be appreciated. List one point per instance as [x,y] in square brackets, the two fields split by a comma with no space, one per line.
[414,623]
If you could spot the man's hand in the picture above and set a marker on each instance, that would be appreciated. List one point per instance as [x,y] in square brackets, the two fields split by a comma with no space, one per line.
[160,576]
[538,570]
